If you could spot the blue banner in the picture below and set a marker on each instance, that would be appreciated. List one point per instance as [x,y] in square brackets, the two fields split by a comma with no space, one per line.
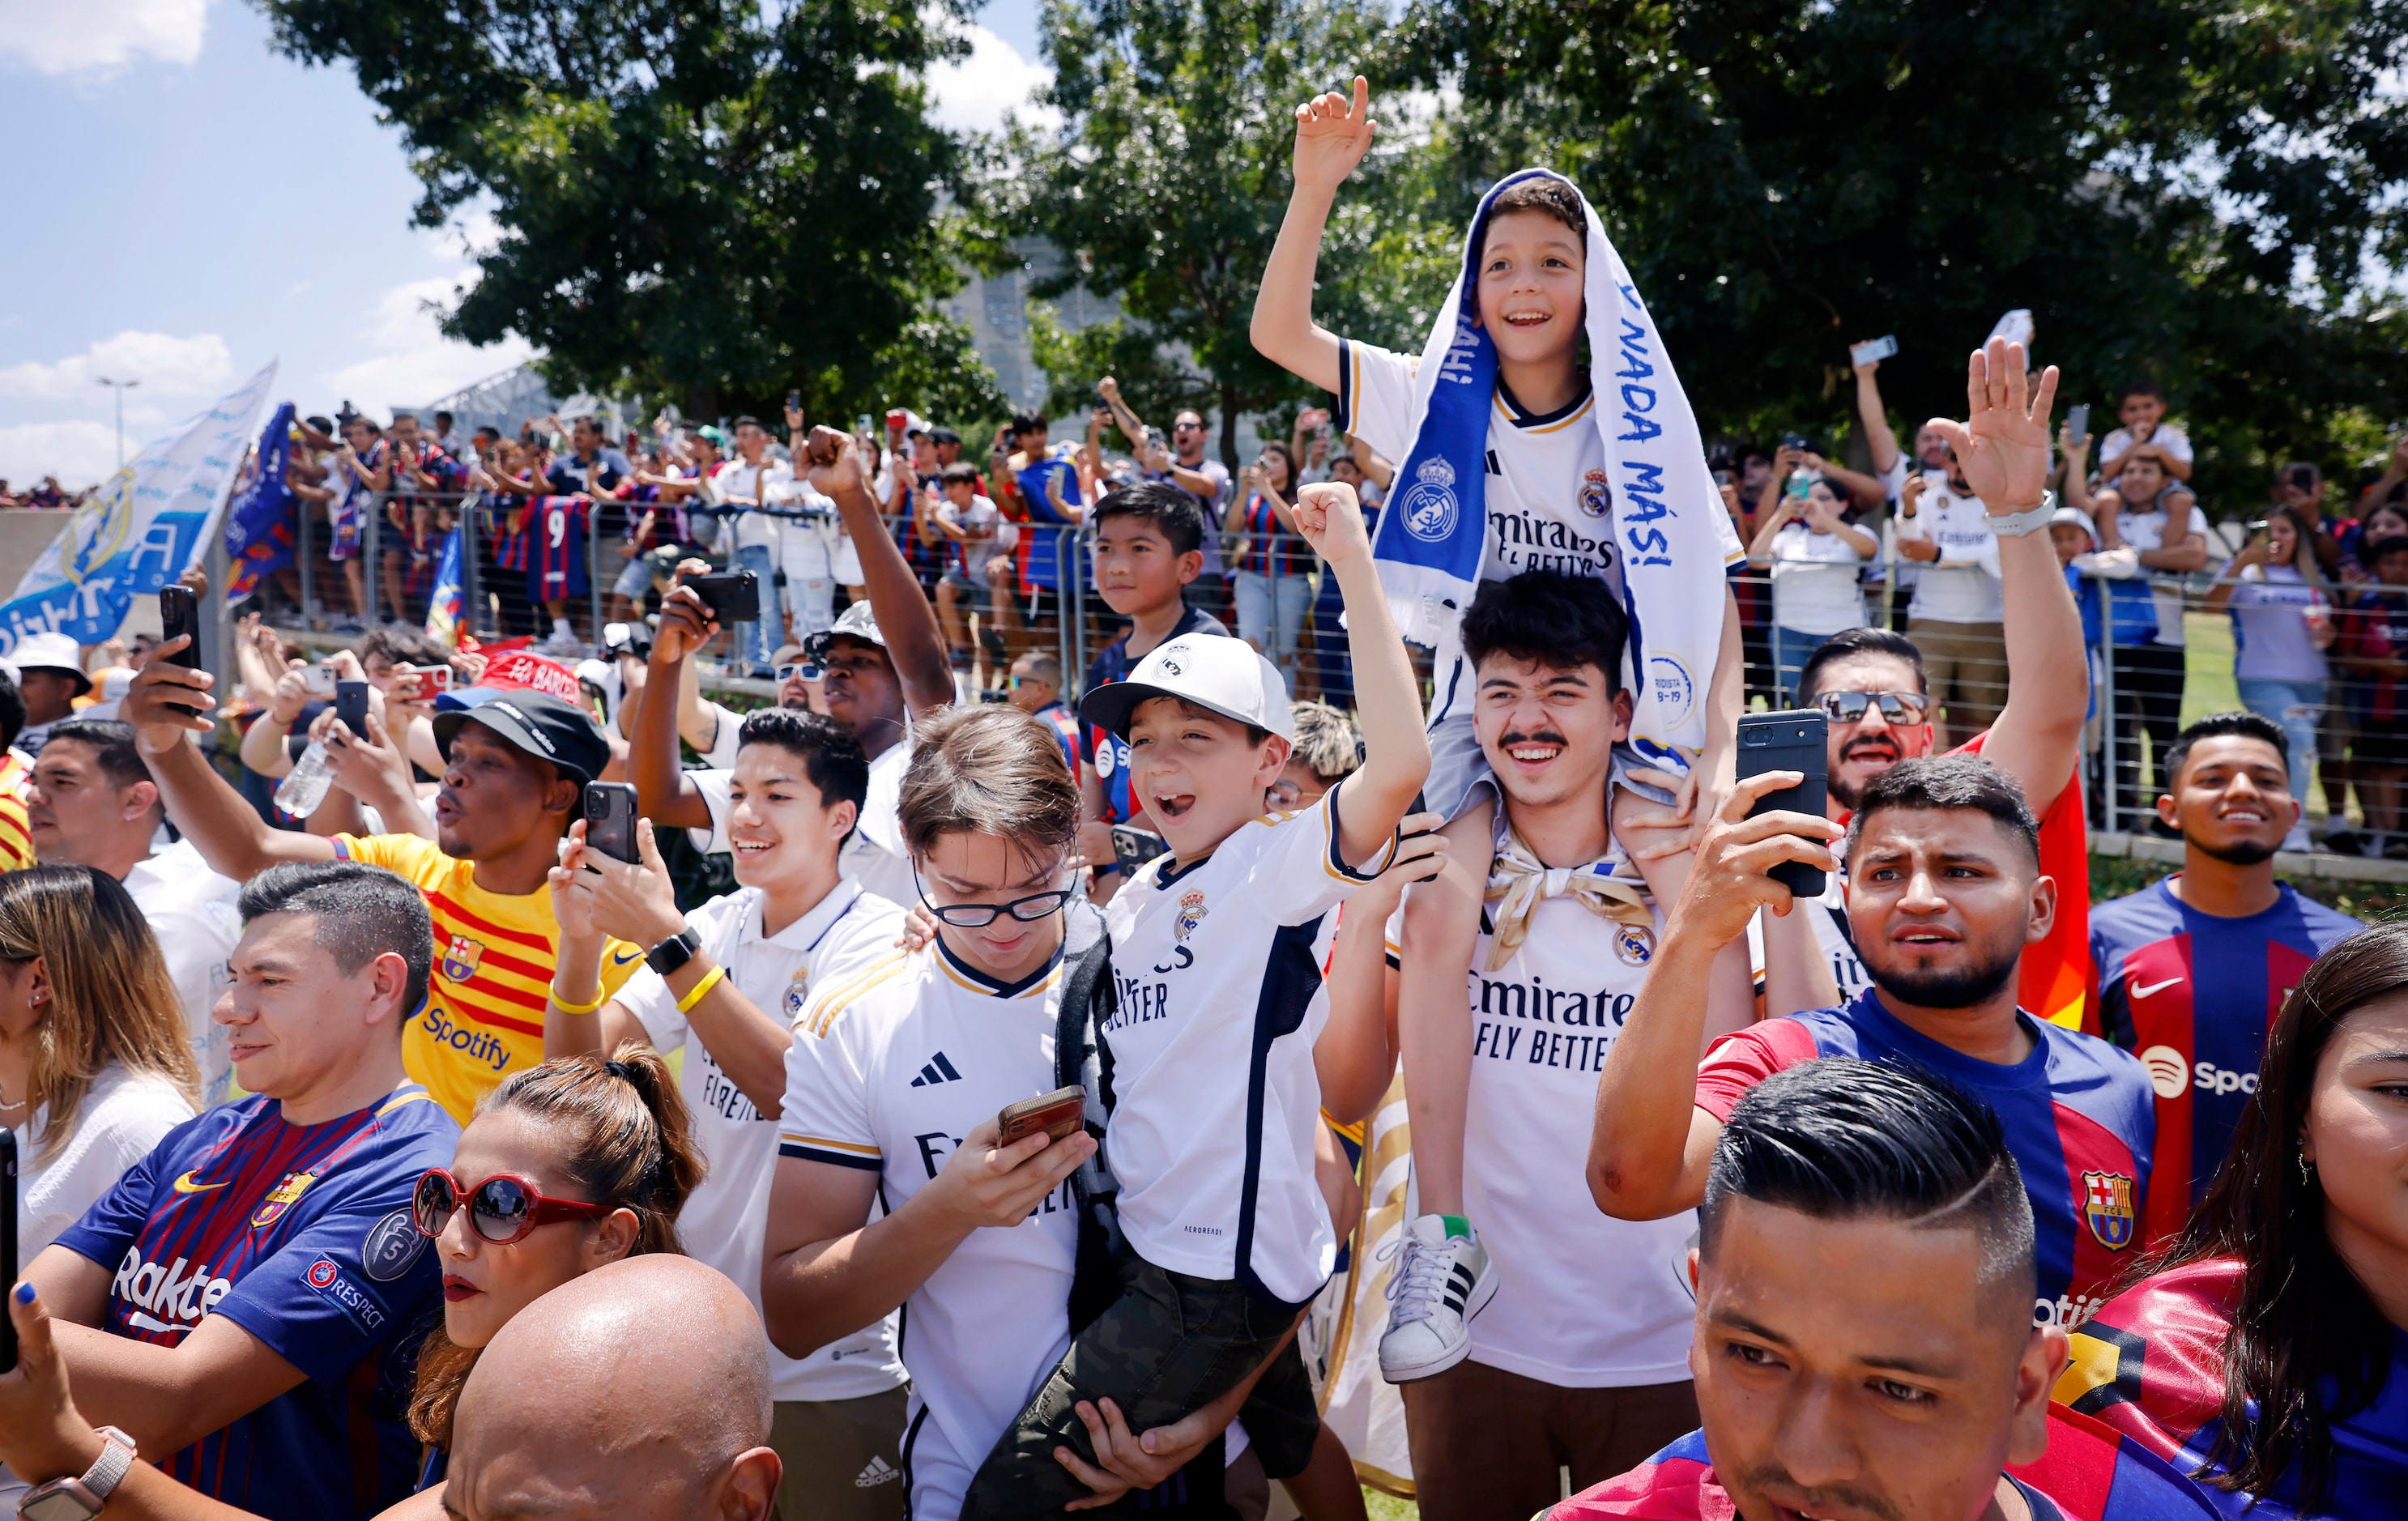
[259,532]
[443,606]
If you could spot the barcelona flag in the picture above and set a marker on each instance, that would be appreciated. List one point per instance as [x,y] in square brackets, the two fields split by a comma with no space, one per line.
[2054,981]
[444,607]
[259,516]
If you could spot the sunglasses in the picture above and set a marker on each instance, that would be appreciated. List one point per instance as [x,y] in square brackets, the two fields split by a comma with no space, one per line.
[978,916]
[803,671]
[503,1208]
[1895,707]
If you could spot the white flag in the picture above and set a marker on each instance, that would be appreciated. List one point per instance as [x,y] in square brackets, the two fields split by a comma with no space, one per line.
[146,526]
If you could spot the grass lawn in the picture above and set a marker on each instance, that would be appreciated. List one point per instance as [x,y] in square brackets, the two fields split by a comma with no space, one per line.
[1389,1508]
[2207,666]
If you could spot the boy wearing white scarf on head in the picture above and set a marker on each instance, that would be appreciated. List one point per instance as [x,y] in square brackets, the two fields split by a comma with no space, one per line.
[1513,461]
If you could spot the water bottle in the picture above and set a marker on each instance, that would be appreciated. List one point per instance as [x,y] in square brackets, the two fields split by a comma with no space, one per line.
[305,786]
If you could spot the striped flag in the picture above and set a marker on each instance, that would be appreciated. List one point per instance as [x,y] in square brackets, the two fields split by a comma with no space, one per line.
[443,606]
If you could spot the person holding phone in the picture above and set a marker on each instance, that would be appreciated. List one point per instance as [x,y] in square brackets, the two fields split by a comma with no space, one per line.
[1272,564]
[2280,608]
[726,985]
[1817,556]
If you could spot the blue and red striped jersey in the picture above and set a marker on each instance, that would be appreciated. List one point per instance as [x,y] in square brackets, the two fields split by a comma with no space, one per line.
[2076,1111]
[1066,728]
[2191,994]
[1107,755]
[302,1236]
[557,529]
[2089,1474]
[2151,1365]
[1270,550]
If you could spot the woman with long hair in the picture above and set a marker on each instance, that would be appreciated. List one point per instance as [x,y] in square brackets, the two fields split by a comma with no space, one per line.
[563,1167]
[2266,1348]
[96,1062]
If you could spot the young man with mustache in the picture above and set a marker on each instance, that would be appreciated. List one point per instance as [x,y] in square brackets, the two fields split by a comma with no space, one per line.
[2192,966]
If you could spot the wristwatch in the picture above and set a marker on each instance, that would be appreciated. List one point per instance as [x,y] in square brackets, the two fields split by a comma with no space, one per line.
[2015,525]
[80,1499]
[673,953]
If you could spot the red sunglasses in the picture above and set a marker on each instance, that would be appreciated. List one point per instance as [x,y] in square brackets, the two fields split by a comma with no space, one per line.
[503,1208]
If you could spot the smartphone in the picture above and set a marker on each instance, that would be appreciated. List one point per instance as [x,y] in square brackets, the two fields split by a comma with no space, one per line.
[1795,741]
[734,598]
[1881,348]
[1059,1114]
[9,1264]
[1133,847]
[351,705]
[793,401]
[318,679]
[862,424]
[179,613]
[2077,422]
[611,820]
[427,681]
[1153,438]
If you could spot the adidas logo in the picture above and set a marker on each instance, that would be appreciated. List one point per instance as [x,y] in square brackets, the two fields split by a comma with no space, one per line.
[937,1071]
[1459,1287]
[879,1472]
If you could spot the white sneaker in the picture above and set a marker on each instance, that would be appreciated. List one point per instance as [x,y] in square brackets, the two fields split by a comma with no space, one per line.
[1439,1281]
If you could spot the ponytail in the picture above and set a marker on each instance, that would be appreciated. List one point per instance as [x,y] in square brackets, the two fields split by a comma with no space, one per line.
[624,1139]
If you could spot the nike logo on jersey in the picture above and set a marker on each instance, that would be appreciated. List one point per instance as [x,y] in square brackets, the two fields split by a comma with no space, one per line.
[620,958]
[937,1071]
[186,1186]
[2154,988]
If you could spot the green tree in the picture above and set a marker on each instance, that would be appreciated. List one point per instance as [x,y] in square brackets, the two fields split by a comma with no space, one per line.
[2206,193]
[717,200]
[1164,188]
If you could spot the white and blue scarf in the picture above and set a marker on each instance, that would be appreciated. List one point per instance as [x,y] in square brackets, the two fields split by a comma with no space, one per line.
[1665,506]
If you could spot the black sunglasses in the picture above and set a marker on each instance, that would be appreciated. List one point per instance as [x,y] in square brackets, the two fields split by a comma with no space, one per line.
[978,916]
[1895,707]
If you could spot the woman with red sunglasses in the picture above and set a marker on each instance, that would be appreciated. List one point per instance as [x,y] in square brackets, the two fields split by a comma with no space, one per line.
[565,1167]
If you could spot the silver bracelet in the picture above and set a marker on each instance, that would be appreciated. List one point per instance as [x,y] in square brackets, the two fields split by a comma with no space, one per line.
[2017,524]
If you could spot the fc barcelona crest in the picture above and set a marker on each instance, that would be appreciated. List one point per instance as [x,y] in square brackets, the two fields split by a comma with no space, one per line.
[280,1198]
[460,958]
[2107,1208]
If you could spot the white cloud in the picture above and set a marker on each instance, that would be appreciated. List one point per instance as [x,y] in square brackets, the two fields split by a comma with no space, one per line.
[413,362]
[164,364]
[79,454]
[975,94]
[76,36]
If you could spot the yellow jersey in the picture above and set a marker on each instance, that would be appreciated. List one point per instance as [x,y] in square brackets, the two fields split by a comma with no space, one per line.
[494,959]
[16,841]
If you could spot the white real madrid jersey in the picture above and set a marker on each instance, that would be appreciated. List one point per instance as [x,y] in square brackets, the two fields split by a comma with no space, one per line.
[875,855]
[890,1070]
[1215,1098]
[724,1221]
[1583,1300]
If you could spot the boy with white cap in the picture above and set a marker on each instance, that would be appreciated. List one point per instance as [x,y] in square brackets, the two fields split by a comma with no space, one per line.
[49,669]
[1207,1020]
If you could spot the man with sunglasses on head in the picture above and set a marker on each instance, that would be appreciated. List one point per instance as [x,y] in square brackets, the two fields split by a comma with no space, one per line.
[243,1306]
[882,666]
[1183,462]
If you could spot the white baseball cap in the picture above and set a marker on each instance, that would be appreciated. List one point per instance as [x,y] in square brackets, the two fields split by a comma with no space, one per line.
[51,652]
[2076,518]
[1215,672]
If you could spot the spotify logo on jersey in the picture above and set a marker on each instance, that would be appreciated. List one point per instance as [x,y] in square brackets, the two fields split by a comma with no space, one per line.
[2169,1070]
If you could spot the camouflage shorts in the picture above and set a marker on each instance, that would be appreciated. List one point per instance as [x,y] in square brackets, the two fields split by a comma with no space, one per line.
[1168,1346]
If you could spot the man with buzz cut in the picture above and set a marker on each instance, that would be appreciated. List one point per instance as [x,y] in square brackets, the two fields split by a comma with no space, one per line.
[2192,967]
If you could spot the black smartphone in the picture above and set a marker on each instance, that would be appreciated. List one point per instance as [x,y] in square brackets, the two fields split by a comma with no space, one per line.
[793,401]
[2077,423]
[9,1264]
[180,615]
[611,820]
[1133,847]
[352,707]
[1796,741]
[733,598]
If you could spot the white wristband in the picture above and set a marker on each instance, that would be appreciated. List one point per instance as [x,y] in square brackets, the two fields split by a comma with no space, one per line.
[2017,524]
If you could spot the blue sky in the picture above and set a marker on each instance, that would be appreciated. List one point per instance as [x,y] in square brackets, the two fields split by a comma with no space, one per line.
[189,204]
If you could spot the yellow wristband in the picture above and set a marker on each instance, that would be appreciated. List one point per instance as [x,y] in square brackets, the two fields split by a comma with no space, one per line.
[710,980]
[567,1008]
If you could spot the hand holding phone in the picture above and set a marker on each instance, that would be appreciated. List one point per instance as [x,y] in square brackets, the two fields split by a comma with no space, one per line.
[733,598]
[1796,741]
[611,820]
[1059,1114]
[352,707]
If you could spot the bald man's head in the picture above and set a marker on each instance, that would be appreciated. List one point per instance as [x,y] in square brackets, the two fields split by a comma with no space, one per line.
[639,1390]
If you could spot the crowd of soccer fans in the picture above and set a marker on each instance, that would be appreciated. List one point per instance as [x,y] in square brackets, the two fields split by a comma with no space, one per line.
[513,1083]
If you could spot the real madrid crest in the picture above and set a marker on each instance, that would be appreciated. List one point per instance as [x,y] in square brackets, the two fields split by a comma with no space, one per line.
[1429,504]
[1192,912]
[797,991]
[1597,494]
[1634,945]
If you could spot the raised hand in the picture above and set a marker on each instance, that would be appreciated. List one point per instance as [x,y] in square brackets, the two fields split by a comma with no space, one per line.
[1330,520]
[1332,135]
[835,462]
[2003,447]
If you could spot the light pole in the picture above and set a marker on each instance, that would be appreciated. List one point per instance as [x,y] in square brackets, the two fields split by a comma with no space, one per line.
[120,387]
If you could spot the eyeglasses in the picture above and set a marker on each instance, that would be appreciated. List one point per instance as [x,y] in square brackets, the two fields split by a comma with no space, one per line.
[1895,707]
[503,1208]
[1187,427]
[803,671]
[978,916]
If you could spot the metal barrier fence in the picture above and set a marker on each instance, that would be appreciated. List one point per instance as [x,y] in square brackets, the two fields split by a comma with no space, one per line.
[1275,593]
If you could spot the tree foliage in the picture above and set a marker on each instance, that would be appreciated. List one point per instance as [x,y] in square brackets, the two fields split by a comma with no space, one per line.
[713,200]
[2181,189]
[1166,185]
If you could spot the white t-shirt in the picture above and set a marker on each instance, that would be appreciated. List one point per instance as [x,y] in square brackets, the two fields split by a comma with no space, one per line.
[1548,493]
[2167,437]
[2270,626]
[890,1068]
[985,532]
[763,483]
[875,856]
[1817,586]
[1211,1052]
[806,546]
[2147,531]
[124,1116]
[1583,1300]
[192,911]
[723,1221]
[1962,587]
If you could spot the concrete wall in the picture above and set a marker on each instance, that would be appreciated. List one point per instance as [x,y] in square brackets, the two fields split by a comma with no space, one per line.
[24,536]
